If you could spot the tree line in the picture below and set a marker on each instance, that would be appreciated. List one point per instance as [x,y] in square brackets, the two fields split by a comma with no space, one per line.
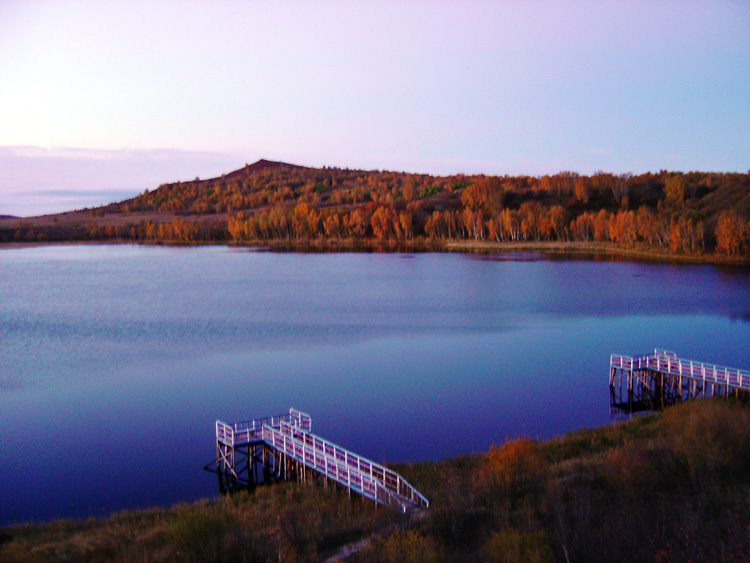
[692,212]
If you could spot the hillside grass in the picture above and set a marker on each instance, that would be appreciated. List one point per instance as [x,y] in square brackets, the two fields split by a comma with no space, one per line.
[673,486]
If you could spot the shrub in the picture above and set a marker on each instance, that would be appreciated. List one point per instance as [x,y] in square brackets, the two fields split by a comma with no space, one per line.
[512,546]
[515,461]
[408,546]
[198,536]
[638,471]
[713,439]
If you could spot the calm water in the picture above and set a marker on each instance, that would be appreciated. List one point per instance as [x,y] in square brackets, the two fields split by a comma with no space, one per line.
[115,361]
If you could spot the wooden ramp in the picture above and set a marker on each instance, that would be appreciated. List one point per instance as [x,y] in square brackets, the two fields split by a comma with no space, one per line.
[653,381]
[283,447]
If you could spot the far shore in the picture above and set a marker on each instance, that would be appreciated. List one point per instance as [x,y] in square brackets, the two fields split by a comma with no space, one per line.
[585,250]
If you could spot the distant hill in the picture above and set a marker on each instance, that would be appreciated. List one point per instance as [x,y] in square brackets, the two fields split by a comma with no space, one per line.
[250,169]
[672,213]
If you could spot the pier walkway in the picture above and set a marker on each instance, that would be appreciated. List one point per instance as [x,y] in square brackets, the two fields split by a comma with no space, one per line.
[284,447]
[653,381]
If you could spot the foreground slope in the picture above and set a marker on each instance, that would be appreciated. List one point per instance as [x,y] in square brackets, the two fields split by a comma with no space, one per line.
[668,487]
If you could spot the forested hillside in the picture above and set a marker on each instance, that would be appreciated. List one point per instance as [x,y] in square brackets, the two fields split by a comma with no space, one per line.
[682,213]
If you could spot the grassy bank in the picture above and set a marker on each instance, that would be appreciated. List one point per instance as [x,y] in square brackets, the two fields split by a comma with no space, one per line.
[569,249]
[600,251]
[673,486]
[582,250]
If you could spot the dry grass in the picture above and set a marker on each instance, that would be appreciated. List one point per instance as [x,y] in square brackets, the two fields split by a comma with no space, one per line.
[668,487]
[673,486]
[287,522]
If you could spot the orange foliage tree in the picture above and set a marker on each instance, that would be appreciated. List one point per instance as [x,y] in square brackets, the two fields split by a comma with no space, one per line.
[729,233]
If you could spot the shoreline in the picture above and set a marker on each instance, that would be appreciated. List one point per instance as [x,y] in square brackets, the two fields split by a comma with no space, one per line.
[596,251]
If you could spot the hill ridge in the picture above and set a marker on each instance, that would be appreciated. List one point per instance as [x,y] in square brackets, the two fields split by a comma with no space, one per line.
[258,166]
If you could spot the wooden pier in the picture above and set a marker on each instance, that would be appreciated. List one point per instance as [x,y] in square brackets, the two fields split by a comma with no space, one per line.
[654,381]
[283,447]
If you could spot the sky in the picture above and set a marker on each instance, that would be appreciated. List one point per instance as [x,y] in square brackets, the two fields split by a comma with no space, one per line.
[100,100]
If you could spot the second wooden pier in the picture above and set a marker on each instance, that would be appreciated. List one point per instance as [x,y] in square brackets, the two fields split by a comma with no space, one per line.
[654,381]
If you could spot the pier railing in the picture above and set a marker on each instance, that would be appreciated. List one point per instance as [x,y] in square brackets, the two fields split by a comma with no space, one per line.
[249,431]
[290,434]
[353,471]
[667,362]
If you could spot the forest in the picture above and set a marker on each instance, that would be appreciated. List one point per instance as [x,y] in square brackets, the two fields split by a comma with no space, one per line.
[694,213]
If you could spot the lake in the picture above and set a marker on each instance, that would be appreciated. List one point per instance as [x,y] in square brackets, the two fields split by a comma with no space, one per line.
[115,361]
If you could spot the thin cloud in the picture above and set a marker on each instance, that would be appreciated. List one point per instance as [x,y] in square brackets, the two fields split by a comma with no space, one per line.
[38,180]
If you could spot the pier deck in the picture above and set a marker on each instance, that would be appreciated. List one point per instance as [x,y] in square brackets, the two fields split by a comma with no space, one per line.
[284,447]
[653,381]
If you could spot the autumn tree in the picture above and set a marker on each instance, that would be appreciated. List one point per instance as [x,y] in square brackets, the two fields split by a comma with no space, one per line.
[546,185]
[601,225]
[332,225]
[495,229]
[305,220]
[382,222]
[622,227]
[645,222]
[432,225]
[582,189]
[358,222]
[729,231]
[409,190]
[564,182]
[510,224]
[485,195]
[473,223]
[582,227]
[557,219]
[674,189]
[675,236]
[406,225]
[236,227]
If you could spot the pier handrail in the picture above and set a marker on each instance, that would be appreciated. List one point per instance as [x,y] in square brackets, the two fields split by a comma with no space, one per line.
[366,476]
[303,420]
[291,434]
[389,476]
[250,430]
[668,362]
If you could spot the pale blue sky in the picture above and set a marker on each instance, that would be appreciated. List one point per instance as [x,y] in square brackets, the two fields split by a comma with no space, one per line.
[101,99]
